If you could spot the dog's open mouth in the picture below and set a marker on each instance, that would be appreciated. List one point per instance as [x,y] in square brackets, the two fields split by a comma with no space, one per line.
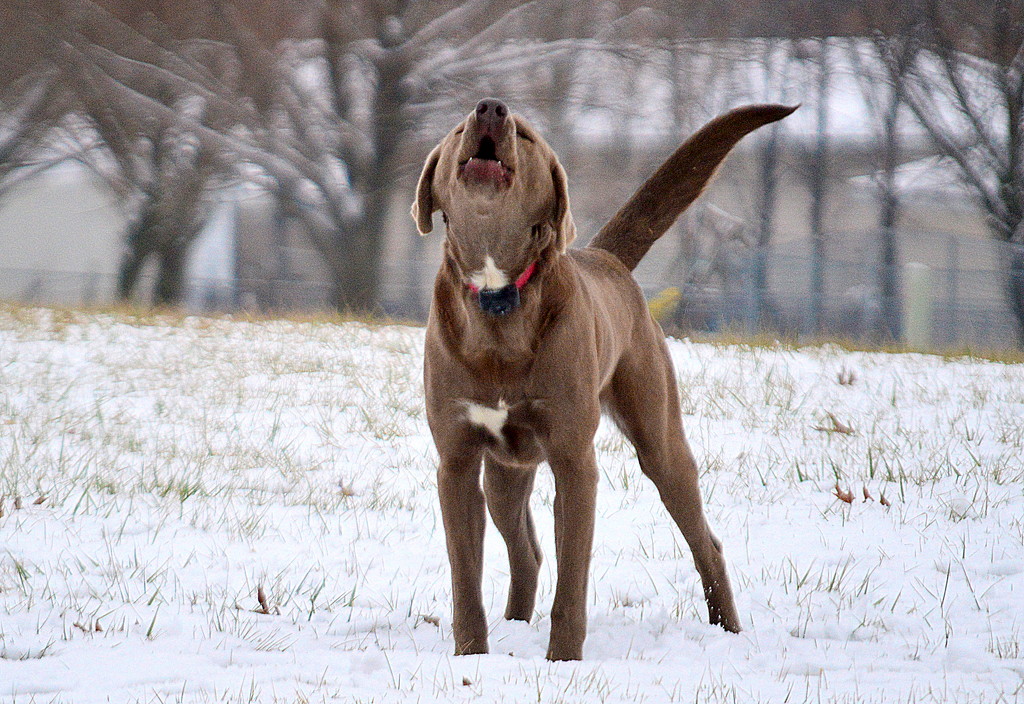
[485,166]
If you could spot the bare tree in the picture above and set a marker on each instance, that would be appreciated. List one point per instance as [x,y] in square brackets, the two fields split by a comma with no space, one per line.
[882,66]
[336,116]
[81,61]
[967,91]
[152,159]
[325,122]
[776,59]
[29,111]
[31,100]
[816,53]
[166,179]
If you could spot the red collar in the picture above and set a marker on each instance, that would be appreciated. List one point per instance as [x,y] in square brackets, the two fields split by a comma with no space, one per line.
[520,282]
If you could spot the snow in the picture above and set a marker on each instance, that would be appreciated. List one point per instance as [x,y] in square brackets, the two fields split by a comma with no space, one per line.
[185,463]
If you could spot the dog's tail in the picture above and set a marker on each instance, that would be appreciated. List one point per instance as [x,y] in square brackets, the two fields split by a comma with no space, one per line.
[677,183]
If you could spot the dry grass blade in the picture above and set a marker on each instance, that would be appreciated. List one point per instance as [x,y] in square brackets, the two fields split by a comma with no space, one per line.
[837,426]
[261,597]
[846,377]
[843,495]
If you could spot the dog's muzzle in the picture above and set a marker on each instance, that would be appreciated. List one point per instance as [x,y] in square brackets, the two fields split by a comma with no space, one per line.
[500,301]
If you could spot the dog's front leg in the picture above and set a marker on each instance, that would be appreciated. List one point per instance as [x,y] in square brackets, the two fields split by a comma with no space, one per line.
[462,510]
[575,505]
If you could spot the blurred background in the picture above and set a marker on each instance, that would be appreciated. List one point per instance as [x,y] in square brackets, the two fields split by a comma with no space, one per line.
[225,155]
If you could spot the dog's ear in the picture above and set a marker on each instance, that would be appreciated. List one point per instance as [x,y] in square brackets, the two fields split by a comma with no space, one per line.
[423,206]
[565,227]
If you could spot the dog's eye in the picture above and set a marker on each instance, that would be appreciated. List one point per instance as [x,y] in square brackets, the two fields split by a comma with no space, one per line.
[460,130]
[524,136]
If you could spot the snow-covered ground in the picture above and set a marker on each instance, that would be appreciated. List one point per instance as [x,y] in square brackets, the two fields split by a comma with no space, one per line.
[167,470]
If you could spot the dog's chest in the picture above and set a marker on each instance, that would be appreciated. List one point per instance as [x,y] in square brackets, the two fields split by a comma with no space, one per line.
[509,431]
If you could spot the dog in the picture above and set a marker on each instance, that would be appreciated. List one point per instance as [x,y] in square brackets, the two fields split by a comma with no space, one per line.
[528,342]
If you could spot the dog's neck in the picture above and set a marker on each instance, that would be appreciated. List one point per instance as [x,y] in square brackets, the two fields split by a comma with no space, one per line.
[494,345]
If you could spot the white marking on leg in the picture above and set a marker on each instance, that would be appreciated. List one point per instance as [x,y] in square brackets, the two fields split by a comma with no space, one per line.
[490,277]
[491,419]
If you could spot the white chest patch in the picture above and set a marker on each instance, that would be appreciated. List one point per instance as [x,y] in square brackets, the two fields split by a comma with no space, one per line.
[491,419]
[490,277]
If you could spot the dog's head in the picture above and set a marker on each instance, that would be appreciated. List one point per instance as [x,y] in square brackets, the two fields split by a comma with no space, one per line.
[504,198]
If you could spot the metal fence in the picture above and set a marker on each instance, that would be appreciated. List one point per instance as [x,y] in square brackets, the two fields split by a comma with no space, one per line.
[965,304]
[961,302]
[956,318]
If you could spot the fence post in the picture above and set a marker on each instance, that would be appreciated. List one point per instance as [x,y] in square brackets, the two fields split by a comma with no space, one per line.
[754,300]
[917,325]
[954,333]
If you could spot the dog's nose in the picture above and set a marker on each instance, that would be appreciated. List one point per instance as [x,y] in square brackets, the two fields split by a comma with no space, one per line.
[500,301]
[491,114]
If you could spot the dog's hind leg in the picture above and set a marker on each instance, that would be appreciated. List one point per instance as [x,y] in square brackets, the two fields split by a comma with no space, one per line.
[645,404]
[462,510]
[507,489]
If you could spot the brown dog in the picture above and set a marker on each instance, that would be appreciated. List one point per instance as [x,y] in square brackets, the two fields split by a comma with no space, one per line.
[527,342]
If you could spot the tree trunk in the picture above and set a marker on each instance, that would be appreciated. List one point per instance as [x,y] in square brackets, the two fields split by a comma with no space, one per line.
[128,272]
[148,236]
[357,272]
[891,324]
[1016,285]
[764,312]
[139,243]
[768,162]
[170,276]
[819,188]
